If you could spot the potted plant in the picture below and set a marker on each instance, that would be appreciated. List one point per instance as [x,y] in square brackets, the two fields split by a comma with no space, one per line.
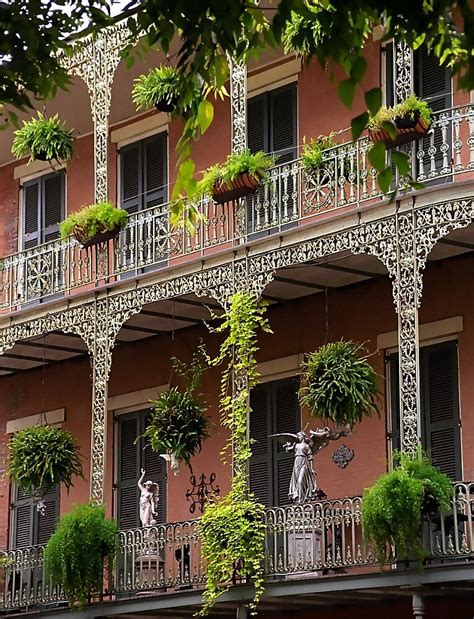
[312,152]
[338,384]
[179,425]
[394,507]
[232,533]
[43,456]
[240,175]
[94,224]
[410,120]
[75,554]
[166,89]
[42,138]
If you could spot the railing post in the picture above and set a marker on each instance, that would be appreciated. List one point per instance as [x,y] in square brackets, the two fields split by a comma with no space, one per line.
[418,603]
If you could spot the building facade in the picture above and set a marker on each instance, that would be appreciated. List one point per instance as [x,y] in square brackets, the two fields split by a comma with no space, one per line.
[87,335]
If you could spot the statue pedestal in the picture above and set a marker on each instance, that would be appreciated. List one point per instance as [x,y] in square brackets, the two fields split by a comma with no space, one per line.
[149,572]
[304,552]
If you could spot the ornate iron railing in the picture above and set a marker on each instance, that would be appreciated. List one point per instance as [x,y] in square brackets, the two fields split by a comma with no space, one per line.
[292,197]
[316,539]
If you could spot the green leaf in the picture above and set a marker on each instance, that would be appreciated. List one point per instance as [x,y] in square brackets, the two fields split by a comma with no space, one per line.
[384,178]
[373,100]
[402,162]
[346,90]
[358,124]
[376,156]
[205,115]
[358,69]
[390,128]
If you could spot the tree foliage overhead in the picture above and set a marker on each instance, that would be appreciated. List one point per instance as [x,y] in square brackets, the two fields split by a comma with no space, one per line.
[209,31]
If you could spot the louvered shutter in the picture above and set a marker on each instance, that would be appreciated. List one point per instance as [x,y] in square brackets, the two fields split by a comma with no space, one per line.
[388,55]
[128,471]
[22,523]
[433,83]
[46,523]
[31,213]
[283,140]
[260,429]
[52,205]
[131,177]
[155,177]
[440,407]
[286,418]
[393,361]
[257,124]
[155,468]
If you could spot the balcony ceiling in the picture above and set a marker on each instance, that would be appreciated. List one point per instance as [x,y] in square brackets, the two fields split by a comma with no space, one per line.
[187,311]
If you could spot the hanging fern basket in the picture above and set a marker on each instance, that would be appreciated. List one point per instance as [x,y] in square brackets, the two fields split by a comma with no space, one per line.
[82,236]
[42,457]
[94,224]
[338,384]
[242,185]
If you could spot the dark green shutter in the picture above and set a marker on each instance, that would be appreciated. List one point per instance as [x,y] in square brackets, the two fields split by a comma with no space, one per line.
[131,177]
[260,429]
[53,205]
[439,396]
[275,410]
[257,124]
[283,137]
[440,406]
[388,56]
[30,527]
[155,170]
[31,213]
[287,418]
[131,457]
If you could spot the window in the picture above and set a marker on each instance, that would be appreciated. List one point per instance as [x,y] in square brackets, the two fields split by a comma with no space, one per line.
[271,123]
[275,409]
[43,209]
[144,174]
[439,405]
[133,455]
[271,127]
[144,184]
[30,526]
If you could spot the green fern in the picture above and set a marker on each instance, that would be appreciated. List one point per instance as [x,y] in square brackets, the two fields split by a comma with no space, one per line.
[93,220]
[43,138]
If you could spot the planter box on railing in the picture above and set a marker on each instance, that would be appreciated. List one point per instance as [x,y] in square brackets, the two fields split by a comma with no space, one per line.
[243,185]
[408,130]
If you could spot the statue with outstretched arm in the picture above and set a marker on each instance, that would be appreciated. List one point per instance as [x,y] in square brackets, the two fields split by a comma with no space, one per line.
[149,497]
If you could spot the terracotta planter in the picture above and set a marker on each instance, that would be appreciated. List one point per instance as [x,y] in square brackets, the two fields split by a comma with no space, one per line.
[408,130]
[243,185]
[101,237]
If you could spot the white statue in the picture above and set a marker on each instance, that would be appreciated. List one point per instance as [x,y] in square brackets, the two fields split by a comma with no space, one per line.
[303,486]
[149,497]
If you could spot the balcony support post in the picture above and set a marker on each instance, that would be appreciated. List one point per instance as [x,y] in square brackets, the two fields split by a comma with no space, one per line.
[238,105]
[418,603]
[95,61]
[404,74]
[406,288]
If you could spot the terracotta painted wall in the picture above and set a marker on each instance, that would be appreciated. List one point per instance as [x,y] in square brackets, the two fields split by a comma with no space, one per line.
[146,364]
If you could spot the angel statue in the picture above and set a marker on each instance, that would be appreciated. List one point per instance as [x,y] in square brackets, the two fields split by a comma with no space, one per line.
[149,498]
[303,485]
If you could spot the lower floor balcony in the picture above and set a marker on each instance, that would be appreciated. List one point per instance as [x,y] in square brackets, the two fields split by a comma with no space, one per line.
[310,542]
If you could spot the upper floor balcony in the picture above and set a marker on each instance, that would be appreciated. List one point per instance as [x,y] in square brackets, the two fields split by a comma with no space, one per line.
[293,197]
[315,541]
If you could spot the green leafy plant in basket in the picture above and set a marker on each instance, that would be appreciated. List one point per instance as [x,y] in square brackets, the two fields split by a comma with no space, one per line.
[94,223]
[338,384]
[179,425]
[393,508]
[166,89]
[42,138]
[76,553]
[240,175]
[43,456]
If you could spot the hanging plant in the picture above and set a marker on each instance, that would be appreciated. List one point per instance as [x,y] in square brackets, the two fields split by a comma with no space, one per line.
[94,224]
[239,176]
[43,456]
[75,554]
[338,385]
[393,508]
[401,124]
[166,89]
[42,138]
[178,425]
[232,529]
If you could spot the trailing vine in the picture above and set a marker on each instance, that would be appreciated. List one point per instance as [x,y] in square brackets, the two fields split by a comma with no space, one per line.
[232,529]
